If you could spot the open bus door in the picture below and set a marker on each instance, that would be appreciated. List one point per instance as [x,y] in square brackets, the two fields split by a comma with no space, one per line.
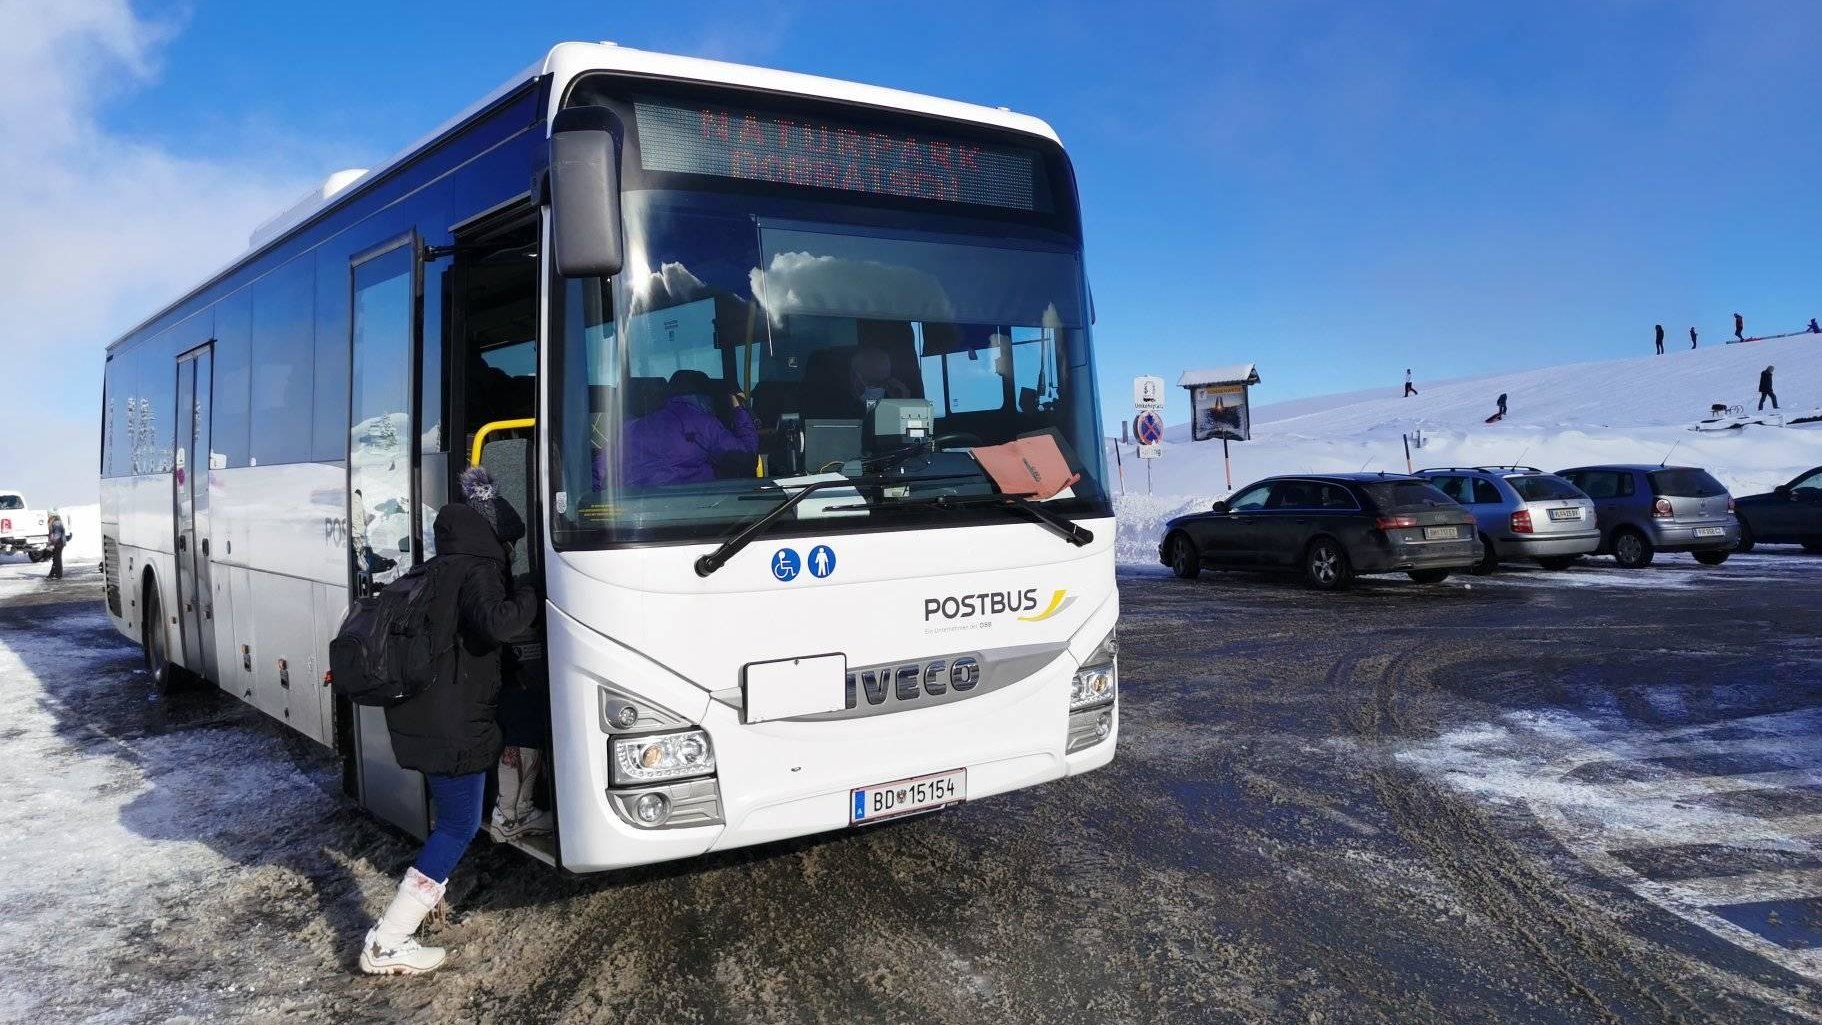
[384,537]
[493,311]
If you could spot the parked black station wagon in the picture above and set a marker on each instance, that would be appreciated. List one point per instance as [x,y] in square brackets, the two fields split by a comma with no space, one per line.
[1329,527]
[1790,514]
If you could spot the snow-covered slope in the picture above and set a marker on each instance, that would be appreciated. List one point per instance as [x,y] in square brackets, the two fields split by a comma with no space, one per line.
[1626,410]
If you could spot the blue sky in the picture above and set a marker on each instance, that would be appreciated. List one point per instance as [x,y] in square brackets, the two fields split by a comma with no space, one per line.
[1334,190]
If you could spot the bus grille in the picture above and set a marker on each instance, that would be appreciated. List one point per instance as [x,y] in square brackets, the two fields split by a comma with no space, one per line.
[110,567]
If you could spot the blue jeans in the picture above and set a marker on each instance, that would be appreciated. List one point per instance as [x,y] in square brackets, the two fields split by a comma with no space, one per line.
[458,811]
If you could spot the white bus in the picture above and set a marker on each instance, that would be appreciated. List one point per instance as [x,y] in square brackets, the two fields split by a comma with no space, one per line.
[819,612]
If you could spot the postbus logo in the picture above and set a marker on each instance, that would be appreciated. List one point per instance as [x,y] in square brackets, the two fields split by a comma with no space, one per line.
[998,603]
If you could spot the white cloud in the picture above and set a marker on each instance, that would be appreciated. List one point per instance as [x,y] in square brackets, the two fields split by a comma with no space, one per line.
[98,229]
[831,286]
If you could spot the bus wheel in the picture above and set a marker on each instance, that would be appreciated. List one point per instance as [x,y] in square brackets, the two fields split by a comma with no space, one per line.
[155,643]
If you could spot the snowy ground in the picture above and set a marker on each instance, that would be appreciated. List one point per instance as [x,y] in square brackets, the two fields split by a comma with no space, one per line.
[1637,410]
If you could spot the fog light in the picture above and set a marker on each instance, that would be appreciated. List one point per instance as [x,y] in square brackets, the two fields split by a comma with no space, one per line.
[651,808]
[1104,725]
[627,717]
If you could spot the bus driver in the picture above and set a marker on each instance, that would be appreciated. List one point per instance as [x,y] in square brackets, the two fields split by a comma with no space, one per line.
[680,441]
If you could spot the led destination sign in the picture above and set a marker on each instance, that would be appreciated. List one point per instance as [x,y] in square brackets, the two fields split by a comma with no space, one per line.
[758,146]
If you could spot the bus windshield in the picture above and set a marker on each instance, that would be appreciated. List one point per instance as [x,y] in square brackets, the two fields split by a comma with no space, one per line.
[750,342]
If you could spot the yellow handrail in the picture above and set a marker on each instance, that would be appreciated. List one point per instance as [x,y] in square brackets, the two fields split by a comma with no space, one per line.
[474,457]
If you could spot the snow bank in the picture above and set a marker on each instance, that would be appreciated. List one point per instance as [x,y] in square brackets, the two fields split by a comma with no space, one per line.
[1628,410]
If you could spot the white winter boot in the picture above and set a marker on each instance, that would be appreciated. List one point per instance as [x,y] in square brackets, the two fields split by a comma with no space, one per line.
[389,948]
[517,813]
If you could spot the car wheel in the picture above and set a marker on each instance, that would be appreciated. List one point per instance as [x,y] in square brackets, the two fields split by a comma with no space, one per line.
[1711,558]
[1185,562]
[1489,558]
[1428,576]
[1558,562]
[1746,539]
[1325,565]
[1632,549]
[35,556]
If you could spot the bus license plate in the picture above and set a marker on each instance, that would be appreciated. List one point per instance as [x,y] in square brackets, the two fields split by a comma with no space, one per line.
[1565,514]
[922,793]
[1710,531]
[1440,533]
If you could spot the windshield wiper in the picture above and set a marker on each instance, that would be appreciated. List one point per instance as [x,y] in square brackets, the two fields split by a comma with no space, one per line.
[1061,526]
[718,558]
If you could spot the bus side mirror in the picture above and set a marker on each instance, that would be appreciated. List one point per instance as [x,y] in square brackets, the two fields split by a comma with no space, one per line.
[585,193]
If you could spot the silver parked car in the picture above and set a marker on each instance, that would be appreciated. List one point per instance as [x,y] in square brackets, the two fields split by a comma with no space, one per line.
[1643,510]
[1523,513]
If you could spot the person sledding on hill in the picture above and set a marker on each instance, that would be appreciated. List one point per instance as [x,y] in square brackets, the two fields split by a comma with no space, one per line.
[1814,328]
[1409,388]
[1501,414]
[1765,391]
[1739,328]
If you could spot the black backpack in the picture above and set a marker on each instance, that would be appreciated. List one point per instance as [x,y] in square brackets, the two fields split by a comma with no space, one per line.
[392,645]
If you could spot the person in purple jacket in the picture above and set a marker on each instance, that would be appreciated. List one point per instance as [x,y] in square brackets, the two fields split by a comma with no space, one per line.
[680,441]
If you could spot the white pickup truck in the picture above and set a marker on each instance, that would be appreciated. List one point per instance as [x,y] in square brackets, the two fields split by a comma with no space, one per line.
[22,529]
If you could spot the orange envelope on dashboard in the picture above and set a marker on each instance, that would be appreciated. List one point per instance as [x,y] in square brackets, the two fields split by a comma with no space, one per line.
[1033,466]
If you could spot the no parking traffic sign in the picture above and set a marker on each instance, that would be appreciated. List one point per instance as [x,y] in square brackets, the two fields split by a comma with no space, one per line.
[1148,431]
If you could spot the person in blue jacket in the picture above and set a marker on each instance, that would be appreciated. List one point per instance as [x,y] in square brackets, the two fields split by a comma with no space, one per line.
[681,441]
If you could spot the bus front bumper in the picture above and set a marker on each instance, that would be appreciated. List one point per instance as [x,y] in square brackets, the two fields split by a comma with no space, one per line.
[783,779]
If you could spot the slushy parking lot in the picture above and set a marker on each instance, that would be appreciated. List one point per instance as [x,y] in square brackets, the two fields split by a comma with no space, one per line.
[1582,797]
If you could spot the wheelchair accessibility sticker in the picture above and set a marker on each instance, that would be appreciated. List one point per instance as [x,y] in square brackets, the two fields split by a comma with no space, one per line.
[785,564]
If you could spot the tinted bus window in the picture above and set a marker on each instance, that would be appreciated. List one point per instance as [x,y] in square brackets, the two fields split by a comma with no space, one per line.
[284,341]
[229,432]
[329,436]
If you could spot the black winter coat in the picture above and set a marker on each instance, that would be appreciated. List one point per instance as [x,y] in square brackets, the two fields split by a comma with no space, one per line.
[450,728]
[1764,382]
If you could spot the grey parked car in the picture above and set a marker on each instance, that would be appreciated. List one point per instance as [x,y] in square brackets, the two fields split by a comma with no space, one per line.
[1643,510]
[1522,512]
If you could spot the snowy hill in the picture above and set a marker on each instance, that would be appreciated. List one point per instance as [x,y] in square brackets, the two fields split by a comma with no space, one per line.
[1639,409]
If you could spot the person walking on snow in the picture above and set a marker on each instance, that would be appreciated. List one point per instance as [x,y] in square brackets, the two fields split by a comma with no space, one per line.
[1692,338]
[1502,405]
[1739,328]
[1765,391]
[58,538]
[1409,388]
[1660,339]
[448,731]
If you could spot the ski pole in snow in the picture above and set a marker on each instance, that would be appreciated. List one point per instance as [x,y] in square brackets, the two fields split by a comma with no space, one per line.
[1409,467]
[1228,461]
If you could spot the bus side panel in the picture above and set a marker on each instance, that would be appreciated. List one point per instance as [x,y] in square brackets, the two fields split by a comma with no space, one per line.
[282,519]
[327,606]
[228,672]
[237,671]
[283,623]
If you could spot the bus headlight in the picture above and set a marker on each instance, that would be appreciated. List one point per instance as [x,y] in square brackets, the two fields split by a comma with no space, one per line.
[661,756]
[1097,682]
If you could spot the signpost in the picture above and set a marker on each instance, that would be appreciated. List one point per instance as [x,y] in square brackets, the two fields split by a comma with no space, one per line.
[1218,406]
[1148,423]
